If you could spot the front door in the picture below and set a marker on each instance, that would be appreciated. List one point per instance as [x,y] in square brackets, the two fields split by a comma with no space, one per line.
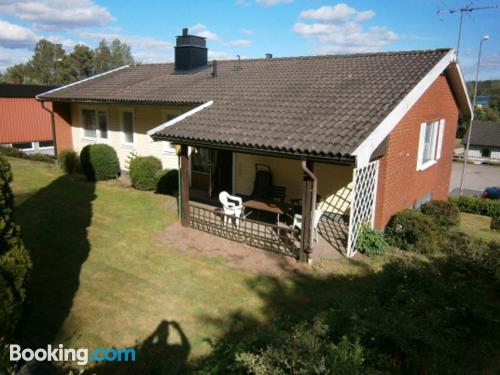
[212,171]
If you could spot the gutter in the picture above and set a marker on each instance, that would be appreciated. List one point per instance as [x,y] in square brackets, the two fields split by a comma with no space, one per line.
[53,125]
[313,177]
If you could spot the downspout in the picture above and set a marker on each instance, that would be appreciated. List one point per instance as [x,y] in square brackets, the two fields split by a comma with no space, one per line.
[53,124]
[314,179]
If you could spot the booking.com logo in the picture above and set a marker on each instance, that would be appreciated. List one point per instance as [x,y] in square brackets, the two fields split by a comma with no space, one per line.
[62,354]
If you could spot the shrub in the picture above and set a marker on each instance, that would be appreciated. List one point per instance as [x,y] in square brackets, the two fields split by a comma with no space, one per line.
[495,222]
[167,181]
[370,242]
[68,161]
[443,213]
[475,205]
[15,262]
[412,230]
[142,172]
[99,162]
[45,158]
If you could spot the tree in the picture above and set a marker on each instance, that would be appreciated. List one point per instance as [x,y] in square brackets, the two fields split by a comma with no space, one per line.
[18,74]
[102,57]
[82,62]
[120,54]
[46,61]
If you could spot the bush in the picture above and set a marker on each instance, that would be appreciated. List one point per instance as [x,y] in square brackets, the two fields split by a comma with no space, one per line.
[99,162]
[495,222]
[479,206]
[142,172]
[412,230]
[443,213]
[15,262]
[68,161]
[167,181]
[370,242]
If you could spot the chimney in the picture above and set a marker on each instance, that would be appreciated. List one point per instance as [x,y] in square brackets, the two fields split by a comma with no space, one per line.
[269,55]
[190,51]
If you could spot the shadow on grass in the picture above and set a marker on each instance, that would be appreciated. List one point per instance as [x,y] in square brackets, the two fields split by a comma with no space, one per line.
[434,317]
[54,224]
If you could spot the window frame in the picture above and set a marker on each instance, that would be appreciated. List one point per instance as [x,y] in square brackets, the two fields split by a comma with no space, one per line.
[45,147]
[98,138]
[124,143]
[436,143]
[24,149]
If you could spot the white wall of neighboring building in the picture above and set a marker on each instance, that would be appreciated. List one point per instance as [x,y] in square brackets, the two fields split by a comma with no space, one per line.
[145,117]
[475,154]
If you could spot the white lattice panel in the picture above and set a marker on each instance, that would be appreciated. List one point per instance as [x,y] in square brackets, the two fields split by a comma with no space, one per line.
[363,202]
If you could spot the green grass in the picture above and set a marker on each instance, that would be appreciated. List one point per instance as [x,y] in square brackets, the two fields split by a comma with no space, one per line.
[478,226]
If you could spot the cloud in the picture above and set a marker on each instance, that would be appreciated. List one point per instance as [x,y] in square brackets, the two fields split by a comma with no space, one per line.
[201,30]
[51,15]
[238,43]
[247,31]
[340,28]
[15,36]
[9,57]
[272,2]
[134,41]
[220,55]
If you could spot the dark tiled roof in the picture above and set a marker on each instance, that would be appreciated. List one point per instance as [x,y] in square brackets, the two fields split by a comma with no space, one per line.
[322,105]
[22,91]
[484,133]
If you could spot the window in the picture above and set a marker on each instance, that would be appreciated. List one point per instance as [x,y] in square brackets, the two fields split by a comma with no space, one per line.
[485,152]
[45,144]
[23,146]
[430,145]
[200,160]
[167,146]
[127,127]
[95,124]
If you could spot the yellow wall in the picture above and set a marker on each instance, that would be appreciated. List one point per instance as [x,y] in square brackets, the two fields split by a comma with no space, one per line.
[146,117]
[334,181]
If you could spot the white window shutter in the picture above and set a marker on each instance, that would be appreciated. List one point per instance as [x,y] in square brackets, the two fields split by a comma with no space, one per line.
[421,144]
[440,140]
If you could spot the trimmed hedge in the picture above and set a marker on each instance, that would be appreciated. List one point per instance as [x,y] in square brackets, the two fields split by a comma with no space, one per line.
[479,206]
[15,153]
[142,172]
[15,262]
[99,162]
[167,181]
[68,161]
[410,229]
[444,214]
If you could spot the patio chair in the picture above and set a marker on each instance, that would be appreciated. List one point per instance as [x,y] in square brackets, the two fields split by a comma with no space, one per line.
[263,184]
[232,206]
[297,222]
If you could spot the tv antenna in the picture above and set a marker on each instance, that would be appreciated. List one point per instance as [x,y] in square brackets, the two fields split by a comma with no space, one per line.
[466,9]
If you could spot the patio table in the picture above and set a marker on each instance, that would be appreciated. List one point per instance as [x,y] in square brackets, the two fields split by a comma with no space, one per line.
[270,207]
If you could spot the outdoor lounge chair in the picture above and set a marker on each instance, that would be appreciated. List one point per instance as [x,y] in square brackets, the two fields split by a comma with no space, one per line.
[263,188]
[297,222]
[232,206]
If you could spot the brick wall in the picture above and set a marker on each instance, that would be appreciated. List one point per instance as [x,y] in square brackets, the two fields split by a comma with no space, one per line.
[400,184]
[62,119]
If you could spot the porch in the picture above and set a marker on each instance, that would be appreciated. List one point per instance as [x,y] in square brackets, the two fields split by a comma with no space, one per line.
[305,188]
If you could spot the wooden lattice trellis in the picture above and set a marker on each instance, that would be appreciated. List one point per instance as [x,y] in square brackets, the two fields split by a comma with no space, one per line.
[363,202]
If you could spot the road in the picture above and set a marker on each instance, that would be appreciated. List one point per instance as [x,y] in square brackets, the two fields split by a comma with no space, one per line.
[477,177]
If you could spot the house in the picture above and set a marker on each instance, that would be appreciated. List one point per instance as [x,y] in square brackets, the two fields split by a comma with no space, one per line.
[484,146]
[348,139]
[483,101]
[24,124]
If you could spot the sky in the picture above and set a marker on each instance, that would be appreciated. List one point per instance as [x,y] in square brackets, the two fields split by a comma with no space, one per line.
[252,28]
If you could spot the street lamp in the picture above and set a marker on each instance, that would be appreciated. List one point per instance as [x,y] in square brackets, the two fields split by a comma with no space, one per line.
[466,152]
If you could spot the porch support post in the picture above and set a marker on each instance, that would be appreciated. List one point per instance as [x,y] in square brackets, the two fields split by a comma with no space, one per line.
[184,188]
[308,208]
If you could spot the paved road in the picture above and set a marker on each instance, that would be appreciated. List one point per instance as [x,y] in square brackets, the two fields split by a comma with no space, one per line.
[477,177]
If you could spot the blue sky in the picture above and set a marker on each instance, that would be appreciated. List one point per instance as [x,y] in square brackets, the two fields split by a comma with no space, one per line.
[251,28]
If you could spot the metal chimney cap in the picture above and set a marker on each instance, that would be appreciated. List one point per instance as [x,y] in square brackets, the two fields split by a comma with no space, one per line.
[185,31]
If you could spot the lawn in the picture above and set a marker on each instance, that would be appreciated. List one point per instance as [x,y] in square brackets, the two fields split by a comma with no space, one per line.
[102,278]
[478,226]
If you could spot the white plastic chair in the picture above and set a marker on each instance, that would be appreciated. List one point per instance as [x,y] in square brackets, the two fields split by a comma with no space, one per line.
[297,222]
[234,208]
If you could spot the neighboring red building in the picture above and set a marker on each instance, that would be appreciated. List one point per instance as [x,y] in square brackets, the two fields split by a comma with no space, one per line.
[24,124]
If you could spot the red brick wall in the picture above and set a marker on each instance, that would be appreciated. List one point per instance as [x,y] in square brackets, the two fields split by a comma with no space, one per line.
[400,184]
[62,119]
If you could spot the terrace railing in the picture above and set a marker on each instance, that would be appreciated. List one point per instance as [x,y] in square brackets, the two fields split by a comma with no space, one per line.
[276,238]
